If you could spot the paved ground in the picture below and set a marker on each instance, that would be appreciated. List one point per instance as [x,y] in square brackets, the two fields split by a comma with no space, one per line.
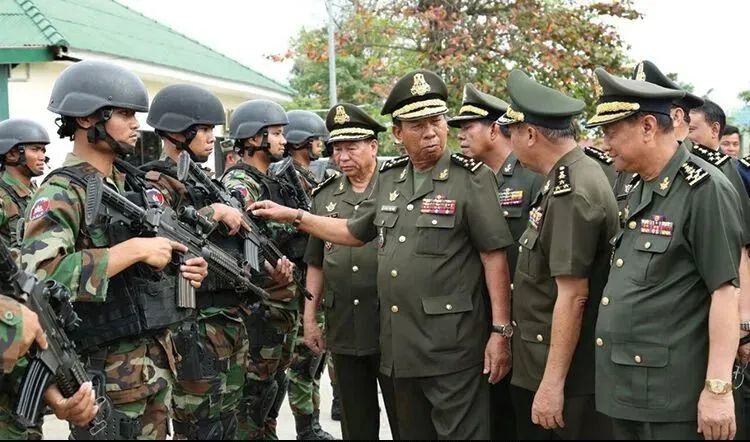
[55,429]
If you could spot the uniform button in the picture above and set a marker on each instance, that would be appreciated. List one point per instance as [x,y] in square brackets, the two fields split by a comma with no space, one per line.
[632,225]
[525,241]
[505,213]
[448,307]
[356,207]
[520,249]
[637,359]
[647,245]
[394,308]
[514,323]
[512,287]
[434,222]
[605,301]
[599,342]
[394,273]
[355,269]
[619,262]
[539,338]
[410,207]
[619,213]
[356,302]
[402,238]
[8,315]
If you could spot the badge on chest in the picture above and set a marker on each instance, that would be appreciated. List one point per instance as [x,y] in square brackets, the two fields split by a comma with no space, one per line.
[510,197]
[657,225]
[439,205]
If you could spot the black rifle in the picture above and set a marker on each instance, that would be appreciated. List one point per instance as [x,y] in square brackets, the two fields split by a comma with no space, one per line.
[257,245]
[285,173]
[188,228]
[59,363]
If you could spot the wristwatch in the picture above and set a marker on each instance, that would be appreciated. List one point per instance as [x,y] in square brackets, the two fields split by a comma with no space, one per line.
[717,386]
[505,330]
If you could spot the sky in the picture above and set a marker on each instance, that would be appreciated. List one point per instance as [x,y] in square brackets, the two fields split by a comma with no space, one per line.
[695,39]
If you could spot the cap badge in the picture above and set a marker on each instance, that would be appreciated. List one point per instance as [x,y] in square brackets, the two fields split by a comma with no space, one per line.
[341,115]
[598,90]
[420,86]
[640,74]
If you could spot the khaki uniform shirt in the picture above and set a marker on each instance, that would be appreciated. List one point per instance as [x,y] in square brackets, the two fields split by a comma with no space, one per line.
[433,295]
[570,226]
[680,242]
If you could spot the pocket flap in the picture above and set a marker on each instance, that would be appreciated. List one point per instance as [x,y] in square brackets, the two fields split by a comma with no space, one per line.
[640,354]
[512,211]
[443,305]
[537,332]
[436,221]
[528,239]
[652,243]
[328,300]
[385,219]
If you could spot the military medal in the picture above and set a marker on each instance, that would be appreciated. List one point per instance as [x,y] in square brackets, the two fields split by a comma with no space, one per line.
[657,225]
[510,197]
[438,206]
[331,206]
[535,217]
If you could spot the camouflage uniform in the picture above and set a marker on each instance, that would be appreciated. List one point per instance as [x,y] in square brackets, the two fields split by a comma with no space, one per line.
[56,245]
[271,350]
[221,331]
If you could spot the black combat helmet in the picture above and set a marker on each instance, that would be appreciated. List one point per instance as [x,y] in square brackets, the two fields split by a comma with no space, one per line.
[303,125]
[251,117]
[18,131]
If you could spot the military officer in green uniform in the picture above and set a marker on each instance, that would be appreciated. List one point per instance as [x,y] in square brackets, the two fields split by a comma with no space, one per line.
[667,330]
[440,235]
[485,140]
[562,267]
[345,278]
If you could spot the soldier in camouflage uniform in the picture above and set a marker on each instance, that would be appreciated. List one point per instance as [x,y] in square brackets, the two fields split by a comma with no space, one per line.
[206,401]
[257,126]
[304,143]
[22,148]
[124,336]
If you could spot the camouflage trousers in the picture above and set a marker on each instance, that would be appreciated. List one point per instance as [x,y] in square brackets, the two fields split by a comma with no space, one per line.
[223,336]
[139,379]
[304,373]
[271,332]
[9,428]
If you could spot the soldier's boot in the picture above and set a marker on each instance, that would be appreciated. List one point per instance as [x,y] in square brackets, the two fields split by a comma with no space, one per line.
[335,404]
[270,425]
[222,427]
[258,398]
[308,428]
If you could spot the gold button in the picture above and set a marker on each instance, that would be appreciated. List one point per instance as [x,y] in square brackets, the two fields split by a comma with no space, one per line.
[632,225]
[8,315]
[647,245]
[402,238]
[539,338]
[619,262]
[605,301]
[356,302]
[525,241]
[434,222]
[599,342]
[637,359]
[394,273]
[448,307]
[355,269]
[505,213]
[394,308]
[410,207]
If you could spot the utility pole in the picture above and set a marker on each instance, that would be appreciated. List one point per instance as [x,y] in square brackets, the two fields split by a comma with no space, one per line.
[331,55]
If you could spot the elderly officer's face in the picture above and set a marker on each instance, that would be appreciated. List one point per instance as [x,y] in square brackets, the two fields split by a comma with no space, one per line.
[424,139]
[623,142]
[355,158]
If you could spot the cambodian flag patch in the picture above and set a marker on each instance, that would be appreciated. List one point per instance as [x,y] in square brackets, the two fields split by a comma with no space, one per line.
[243,191]
[155,197]
[41,207]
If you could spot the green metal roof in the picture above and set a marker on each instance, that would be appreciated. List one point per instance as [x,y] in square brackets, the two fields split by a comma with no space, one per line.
[108,27]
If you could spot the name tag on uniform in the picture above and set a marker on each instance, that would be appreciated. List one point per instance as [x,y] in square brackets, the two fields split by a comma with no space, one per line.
[657,225]
[510,197]
[389,209]
[438,206]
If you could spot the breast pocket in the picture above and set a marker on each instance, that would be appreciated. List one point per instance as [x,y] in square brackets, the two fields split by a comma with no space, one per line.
[527,261]
[384,223]
[651,262]
[642,368]
[512,212]
[434,233]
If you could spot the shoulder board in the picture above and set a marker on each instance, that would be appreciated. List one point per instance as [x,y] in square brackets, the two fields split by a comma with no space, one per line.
[396,162]
[693,173]
[467,163]
[322,185]
[715,157]
[562,181]
[599,155]
[745,161]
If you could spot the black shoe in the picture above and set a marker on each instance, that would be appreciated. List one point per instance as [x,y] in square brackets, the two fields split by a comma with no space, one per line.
[308,428]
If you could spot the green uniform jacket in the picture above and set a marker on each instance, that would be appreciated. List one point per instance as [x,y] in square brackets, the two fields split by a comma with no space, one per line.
[680,243]
[11,212]
[517,186]
[570,226]
[433,295]
[350,274]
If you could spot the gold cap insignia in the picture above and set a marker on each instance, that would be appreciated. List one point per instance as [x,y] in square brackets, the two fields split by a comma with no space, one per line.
[393,195]
[331,206]
[341,116]
[598,90]
[664,185]
[640,74]
[420,86]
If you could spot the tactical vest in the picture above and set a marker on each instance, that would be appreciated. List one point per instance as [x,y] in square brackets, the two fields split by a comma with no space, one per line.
[140,302]
[21,203]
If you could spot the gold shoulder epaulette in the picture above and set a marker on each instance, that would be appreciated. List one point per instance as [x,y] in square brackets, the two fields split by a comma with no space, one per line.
[467,163]
[598,155]
[715,157]
[693,173]
[396,162]
[325,183]
[562,181]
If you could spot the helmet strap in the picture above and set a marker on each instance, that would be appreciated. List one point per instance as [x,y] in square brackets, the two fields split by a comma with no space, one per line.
[99,132]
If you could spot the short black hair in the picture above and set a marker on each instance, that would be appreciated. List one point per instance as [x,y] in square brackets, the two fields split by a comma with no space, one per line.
[663,122]
[713,113]
[731,130]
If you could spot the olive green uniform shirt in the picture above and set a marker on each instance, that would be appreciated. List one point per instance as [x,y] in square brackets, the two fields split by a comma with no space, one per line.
[350,294]
[10,211]
[570,225]
[431,283]
[680,242]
